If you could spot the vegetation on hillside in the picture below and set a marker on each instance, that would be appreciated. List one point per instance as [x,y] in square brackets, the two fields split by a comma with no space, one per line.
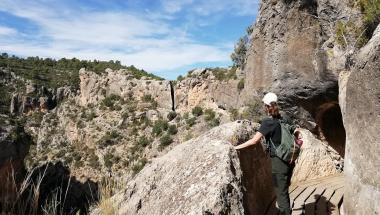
[360,33]
[53,73]
[239,55]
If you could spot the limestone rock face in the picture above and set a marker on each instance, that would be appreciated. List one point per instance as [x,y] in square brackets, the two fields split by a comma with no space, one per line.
[317,159]
[293,53]
[208,93]
[94,88]
[200,176]
[362,123]
[43,100]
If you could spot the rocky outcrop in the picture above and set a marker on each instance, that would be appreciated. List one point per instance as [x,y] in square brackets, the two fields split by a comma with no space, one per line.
[202,88]
[41,100]
[361,104]
[316,160]
[201,176]
[294,53]
[94,88]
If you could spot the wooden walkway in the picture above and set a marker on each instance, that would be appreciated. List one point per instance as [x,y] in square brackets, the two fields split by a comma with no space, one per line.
[323,196]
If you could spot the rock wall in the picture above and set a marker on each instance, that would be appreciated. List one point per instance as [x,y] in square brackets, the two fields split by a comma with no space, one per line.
[294,53]
[361,104]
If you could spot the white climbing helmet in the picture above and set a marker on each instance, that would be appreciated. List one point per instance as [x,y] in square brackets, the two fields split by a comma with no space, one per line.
[269,98]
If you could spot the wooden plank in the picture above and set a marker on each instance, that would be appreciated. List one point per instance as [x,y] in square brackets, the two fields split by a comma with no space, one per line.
[313,196]
[310,203]
[336,200]
[299,203]
[291,189]
[293,196]
[324,202]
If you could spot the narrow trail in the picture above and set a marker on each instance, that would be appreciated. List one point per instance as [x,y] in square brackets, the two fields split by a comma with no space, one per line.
[323,196]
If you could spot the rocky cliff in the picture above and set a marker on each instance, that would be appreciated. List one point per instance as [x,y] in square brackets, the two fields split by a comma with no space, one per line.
[296,54]
[360,100]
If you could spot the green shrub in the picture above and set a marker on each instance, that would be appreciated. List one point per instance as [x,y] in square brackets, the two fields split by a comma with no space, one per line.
[238,57]
[165,140]
[147,98]
[171,115]
[188,136]
[144,141]
[240,85]
[125,115]
[234,114]
[371,12]
[93,161]
[108,159]
[361,33]
[172,129]
[110,138]
[209,114]
[197,111]
[80,124]
[139,165]
[154,105]
[110,101]
[90,116]
[131,108]
[159,126]
[36,118]
[180,78]
[190,122]
[186,115]
[214,122]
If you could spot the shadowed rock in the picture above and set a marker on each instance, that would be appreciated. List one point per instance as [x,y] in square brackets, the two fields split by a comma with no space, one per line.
[361,104]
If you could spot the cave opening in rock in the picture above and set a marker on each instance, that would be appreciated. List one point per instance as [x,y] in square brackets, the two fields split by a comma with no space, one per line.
[330,124]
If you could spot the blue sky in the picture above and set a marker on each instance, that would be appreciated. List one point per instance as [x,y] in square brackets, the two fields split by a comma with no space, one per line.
[166,37]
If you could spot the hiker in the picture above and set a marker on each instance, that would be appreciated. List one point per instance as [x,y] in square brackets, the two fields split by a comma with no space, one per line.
[281,171]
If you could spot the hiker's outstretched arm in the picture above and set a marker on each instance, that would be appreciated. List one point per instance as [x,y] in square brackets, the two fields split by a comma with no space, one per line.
[250,142]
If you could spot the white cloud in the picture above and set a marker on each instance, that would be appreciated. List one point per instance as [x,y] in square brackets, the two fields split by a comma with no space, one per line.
[147,40]
[5,31]
[174,6]
[212,7]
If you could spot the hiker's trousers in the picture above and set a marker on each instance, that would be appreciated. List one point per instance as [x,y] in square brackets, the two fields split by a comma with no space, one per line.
[281,182]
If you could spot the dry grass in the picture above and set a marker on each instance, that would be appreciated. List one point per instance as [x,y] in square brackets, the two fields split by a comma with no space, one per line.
[107,188]
[20,198]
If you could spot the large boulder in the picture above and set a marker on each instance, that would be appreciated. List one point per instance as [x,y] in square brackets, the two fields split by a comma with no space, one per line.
[202,176]
[316,160]
[362,122]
